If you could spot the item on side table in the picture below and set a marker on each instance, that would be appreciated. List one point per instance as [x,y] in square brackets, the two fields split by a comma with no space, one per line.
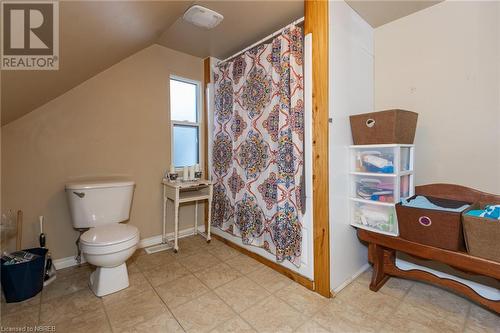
[391,126]
[482,233]
[432,221]
[191,173]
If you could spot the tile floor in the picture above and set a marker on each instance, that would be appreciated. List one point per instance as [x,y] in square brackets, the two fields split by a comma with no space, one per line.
[214,288]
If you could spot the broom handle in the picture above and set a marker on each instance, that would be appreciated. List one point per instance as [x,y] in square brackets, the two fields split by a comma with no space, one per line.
[19,229]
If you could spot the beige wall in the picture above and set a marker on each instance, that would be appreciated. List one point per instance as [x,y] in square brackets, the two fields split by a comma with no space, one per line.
[116,123]
[444,63]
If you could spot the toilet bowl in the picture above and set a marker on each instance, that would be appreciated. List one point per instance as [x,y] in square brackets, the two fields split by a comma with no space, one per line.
[99,207]
[108,247]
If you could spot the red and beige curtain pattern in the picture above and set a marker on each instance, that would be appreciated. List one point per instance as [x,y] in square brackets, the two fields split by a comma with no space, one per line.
[257,154]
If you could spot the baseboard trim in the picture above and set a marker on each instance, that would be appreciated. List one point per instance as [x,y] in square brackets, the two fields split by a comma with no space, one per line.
[351,279]
[145,242]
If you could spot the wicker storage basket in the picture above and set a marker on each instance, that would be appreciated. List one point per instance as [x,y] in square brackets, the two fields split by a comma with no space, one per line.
[391,126]
[482,235]
[442,229]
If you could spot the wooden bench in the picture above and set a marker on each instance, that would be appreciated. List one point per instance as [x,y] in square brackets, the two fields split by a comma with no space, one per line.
[382,251]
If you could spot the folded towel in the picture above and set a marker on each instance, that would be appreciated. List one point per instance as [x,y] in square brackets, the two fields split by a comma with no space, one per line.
[490,211]
[444,205]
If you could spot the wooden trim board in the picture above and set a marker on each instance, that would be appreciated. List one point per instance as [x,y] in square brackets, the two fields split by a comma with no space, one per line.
[275,266]
[316,22]
[206,81]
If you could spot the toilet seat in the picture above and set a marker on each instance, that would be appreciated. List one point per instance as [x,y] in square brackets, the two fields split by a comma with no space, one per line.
[109,238]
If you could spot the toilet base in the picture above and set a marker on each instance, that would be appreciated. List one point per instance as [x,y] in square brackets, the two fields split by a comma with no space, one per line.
[108,280]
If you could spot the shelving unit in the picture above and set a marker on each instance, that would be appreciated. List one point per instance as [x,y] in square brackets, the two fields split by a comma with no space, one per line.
[381,175]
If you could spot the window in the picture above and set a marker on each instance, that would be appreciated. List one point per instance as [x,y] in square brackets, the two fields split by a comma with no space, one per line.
[184,115]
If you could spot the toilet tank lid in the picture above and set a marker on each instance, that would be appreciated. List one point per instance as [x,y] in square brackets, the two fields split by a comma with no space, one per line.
[91,184]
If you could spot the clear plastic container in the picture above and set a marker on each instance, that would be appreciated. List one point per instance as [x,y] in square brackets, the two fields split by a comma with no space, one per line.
[374,188]
[405,186]
[376,217]
[405,159]
[376,159]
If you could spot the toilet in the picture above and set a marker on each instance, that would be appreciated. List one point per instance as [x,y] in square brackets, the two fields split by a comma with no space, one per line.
[100,206]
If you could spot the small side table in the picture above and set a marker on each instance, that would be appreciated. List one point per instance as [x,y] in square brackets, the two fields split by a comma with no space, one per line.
[186,191]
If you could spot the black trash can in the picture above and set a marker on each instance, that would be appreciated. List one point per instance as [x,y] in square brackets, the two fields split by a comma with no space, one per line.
[24,280]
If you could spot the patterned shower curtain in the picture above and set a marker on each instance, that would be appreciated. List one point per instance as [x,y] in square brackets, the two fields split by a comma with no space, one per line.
[257,154]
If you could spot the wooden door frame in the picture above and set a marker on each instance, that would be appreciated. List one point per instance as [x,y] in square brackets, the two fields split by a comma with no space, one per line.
[316,22]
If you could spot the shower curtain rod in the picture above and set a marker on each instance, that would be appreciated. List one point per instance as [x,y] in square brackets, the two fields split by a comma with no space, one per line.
[300,20]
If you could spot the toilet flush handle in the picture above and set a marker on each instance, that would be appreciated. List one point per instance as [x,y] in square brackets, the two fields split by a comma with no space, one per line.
[79,194]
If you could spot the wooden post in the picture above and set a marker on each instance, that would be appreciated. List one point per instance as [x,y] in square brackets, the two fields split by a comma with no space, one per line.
[206,81]
[316,22]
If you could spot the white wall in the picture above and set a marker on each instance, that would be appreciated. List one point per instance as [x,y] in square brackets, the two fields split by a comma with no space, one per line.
[351,92]
[444,63]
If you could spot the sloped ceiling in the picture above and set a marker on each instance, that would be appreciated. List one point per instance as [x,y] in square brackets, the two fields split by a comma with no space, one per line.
[378,13]
[245,22]
[95,35]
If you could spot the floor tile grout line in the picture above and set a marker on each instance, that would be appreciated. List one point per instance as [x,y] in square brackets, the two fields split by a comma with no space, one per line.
[293,307]
[222,300]
[464,326]
[421,307]
[107,316]
[209,289]
[384,324]
[237,314]
[249,305]
[168,308]
[40,309]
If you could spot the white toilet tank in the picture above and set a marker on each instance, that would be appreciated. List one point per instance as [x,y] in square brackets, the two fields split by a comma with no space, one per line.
[95,203]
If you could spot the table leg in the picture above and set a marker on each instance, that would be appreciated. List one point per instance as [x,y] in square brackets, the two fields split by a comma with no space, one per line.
[379,278]
[164,226]
[209,218]
[196,217]
[176,226]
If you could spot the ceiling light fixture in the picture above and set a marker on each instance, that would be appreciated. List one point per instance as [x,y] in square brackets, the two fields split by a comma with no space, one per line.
[202,17]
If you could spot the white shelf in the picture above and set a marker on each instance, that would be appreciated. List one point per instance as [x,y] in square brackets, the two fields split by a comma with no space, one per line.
[377,174]
[373,202]
[387,145]
[375,230]
[372,174]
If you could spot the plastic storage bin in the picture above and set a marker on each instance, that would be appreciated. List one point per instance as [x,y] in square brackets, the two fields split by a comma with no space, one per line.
[481,234]
[374,188]
[391,126]
[380,175]
[24,280]
[374,217]
[374,160]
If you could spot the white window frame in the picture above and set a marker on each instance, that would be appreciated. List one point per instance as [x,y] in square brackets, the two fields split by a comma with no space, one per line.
[196,124]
